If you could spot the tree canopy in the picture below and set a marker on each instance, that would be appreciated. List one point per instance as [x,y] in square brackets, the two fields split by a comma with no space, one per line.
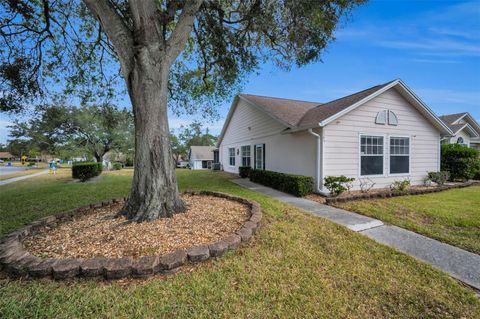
[94,130]
[60,46]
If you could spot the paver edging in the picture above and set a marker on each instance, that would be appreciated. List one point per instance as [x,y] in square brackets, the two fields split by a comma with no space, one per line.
[334,200]
[16,262]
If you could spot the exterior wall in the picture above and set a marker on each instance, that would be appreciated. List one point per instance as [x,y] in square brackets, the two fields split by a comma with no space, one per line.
[195,164]
[465,136]
[341,140]
[286,153]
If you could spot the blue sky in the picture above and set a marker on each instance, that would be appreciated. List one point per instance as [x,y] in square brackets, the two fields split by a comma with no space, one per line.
[433,46]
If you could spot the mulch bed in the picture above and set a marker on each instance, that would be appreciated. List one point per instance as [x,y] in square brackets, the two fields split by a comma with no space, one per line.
[100,234]
[90,242]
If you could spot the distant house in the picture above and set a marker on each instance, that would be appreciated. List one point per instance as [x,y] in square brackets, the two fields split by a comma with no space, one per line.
[384,133]
[201,157]
[466,130]
[6,156]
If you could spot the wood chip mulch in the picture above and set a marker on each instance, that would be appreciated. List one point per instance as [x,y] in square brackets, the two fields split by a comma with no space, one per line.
[99,234]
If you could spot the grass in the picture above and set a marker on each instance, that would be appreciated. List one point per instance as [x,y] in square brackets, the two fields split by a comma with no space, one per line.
[452,216]
[296,265]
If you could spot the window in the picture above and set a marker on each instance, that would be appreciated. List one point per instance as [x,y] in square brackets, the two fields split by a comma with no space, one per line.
[461,141]
[399,155]
[245,155]
[392,118]
[371,155]
[260,156]
[381,118]
[231,156]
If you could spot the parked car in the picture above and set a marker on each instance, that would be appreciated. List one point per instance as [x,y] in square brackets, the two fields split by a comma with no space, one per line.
[182,164]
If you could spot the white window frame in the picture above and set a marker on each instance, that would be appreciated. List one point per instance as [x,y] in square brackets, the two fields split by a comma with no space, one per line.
[261,145]
[242,156]
[230,157]
[409,155]
[360,154]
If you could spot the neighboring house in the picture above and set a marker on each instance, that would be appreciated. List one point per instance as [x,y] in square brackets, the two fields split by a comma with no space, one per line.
[6,156]
[384,133]
[466,130]
[201,157]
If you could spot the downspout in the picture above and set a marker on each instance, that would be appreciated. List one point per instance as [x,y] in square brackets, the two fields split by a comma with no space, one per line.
[318,162]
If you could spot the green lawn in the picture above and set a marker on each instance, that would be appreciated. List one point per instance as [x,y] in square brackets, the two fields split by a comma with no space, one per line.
[452,216]
[296,265]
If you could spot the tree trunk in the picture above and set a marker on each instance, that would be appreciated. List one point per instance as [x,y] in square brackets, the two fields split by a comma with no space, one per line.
[154,191]
[97,156]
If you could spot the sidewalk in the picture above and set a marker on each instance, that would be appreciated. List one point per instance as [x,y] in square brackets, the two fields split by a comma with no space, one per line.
[460,264]
[20,178]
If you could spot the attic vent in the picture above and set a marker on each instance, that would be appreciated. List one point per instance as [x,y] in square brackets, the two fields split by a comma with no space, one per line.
[392,118]
[381,118]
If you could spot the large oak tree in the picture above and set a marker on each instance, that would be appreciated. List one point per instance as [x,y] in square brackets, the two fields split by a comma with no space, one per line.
[179,53]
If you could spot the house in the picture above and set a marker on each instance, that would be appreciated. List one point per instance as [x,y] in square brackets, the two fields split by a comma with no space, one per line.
[201,157]
[466,130]
[6,156]
[381,134]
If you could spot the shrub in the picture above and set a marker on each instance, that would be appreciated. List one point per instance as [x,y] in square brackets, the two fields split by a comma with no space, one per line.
[86,170]
[129,162]
[297,185]
[338,184]
[460,161]
[366,185]
[438,177]
[31,164]
[117,166]
[244,171]
[400,186]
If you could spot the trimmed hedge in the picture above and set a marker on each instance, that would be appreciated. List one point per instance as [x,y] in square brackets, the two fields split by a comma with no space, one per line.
[117,166]
[297,185]
[86,170]
[460,161]
[244,171]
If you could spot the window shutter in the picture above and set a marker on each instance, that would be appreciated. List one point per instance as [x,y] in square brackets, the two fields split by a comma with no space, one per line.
[263,156]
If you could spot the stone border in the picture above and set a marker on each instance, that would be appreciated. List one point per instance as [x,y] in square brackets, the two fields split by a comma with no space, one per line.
[17,262]
[334,200]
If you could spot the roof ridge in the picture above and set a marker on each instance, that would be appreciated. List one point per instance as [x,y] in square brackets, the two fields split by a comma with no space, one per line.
[344,97]
[280,98]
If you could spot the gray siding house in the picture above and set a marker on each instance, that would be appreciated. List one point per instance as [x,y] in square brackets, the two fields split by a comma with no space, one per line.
[384,133]
[466,130]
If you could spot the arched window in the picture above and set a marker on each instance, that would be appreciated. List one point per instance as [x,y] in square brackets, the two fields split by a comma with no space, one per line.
[392,118]
[460,140]
[381,118]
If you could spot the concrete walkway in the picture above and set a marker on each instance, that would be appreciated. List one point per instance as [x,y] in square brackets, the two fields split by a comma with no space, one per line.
[460,264]
[20,178]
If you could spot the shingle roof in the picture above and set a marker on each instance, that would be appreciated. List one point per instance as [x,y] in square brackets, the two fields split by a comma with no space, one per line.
[285,110]
[450,118]
[324,111]
[201,152]
[296,113]
[5,155]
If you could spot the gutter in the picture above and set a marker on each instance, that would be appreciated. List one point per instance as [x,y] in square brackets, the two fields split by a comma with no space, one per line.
[318,164]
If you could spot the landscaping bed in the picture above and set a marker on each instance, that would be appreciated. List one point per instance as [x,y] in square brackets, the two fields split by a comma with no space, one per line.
[386,192]
[91,242]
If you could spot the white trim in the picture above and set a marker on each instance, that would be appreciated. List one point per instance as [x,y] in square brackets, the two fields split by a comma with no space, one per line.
[360,155]
[409,155]
[467,126]
[433,117]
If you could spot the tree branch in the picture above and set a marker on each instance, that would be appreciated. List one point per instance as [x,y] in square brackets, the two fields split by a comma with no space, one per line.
[178,39]
[116,29]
